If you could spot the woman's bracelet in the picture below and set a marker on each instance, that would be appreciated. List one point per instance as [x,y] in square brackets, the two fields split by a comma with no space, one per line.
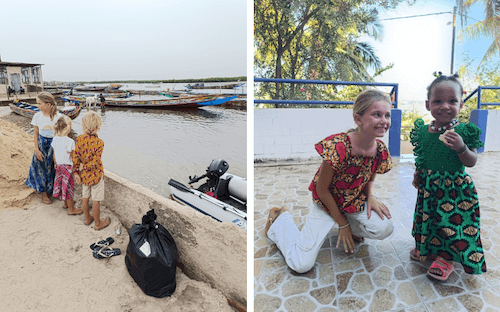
[460,152]
[343,227]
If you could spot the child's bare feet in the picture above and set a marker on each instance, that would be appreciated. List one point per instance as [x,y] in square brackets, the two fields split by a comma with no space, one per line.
[99,225]
[89,220]
[75,211]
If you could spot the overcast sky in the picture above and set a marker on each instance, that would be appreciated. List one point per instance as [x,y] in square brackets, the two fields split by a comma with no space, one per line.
[421,45]
[126,39]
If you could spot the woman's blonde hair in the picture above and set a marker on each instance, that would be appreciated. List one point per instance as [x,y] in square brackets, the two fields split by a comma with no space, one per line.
[365,99]
[63,125]
[48,98]
[91,122]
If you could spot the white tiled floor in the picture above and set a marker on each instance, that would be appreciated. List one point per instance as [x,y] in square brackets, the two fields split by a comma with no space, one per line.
[379,276]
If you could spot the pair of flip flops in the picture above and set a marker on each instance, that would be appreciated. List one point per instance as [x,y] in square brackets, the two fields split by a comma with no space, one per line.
[101,249]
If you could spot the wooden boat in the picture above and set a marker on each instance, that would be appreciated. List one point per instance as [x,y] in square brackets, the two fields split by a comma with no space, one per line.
[222,197]
[180,102]
[28,110]
[202,86]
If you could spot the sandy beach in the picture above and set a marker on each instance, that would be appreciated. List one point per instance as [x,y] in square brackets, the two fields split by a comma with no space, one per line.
[47,263]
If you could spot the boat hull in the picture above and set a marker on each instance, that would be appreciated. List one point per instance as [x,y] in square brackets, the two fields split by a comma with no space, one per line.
[190,102]
[207,205]
[29,111]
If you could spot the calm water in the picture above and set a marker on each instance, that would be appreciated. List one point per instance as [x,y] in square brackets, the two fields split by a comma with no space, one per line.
[149,146]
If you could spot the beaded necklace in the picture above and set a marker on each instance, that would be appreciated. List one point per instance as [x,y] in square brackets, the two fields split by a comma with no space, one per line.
[445,127]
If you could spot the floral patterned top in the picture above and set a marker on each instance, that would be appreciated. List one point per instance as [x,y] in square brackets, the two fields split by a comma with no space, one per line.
[88,151]
[351,172]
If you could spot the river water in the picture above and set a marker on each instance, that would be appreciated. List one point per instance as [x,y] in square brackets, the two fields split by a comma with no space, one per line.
[150,146]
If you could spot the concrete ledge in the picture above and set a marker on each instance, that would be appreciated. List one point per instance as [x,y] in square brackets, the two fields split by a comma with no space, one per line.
[208,250]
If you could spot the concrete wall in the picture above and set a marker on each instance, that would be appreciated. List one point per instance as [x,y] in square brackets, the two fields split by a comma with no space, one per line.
[208,250]
[291,133]
[492,139]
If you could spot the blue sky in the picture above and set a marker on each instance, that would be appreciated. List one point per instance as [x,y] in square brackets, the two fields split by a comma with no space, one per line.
[126,39]
[421,45]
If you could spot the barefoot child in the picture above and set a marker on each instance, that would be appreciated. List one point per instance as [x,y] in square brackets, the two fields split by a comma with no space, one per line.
[63,146]
[89,169]
[446,220]
[341,189]
[41,174]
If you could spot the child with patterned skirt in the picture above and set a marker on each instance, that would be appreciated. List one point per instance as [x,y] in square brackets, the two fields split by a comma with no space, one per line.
[341,189]
[446,224]
[89,169]
[64,185]
[41,173]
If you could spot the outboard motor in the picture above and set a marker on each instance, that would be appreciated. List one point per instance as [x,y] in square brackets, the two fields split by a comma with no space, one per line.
[214,171]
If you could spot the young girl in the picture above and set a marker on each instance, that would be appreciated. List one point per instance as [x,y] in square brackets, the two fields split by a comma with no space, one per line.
[87,163]
[446,219]
[341,189]
[42,172]
[63,146]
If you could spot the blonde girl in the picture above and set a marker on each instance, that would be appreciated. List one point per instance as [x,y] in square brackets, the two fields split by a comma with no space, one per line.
[41,173]
[64,185]
[341,189]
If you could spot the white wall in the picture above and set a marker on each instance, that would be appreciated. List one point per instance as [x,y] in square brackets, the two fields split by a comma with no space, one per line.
[291,133]
[492,140]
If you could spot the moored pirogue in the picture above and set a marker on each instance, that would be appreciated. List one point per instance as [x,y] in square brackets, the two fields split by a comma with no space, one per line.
[180,102]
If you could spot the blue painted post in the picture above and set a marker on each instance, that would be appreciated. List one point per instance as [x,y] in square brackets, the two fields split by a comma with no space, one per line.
[395,133]
[479,117]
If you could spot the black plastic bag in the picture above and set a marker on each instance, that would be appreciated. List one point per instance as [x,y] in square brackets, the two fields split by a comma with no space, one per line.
[152,257]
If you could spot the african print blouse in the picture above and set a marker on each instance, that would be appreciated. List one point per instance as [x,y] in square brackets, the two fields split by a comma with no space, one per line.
[351,172]
[88,151]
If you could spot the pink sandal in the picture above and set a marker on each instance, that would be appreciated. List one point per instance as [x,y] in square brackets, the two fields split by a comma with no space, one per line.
[442,265]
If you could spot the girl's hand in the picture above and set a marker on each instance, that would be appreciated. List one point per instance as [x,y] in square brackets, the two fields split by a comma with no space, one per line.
[77,179]
[39,155]
[416,179]
[345,236]
[373,204]
[453,140]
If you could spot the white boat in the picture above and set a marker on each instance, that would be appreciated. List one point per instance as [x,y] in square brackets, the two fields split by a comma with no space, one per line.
[222,197]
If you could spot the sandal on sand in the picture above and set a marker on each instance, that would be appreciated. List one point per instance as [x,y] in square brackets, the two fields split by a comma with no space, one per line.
[106,252]
[46,200]
[273,214]
[91,220]
[442,265]
[415,255]
[105,242]
[104,223]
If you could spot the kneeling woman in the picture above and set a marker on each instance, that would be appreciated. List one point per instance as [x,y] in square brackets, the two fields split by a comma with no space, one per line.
[341,189]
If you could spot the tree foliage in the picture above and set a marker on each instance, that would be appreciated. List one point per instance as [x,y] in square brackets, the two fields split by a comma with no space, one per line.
[489,27]
[314,39]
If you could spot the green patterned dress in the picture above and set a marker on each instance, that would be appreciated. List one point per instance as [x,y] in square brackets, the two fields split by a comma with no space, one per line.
[446,222]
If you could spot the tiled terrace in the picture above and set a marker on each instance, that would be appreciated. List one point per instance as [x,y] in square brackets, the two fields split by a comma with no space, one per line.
[379,276]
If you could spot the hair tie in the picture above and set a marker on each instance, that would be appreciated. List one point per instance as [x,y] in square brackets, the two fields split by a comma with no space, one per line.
[437,74]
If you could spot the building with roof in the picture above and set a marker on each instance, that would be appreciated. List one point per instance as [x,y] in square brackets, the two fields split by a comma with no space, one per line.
[21,81]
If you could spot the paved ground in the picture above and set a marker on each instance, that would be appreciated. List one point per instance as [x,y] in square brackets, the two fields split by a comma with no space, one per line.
[379,276]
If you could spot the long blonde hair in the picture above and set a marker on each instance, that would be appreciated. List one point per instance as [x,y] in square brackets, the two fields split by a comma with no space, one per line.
[365,99]
[48,98]
[91,122]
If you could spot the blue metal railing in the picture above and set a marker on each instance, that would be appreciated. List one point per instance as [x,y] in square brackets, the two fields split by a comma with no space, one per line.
[479,93]
[394,90]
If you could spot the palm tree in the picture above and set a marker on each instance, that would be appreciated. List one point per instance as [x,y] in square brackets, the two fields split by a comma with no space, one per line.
[489,27]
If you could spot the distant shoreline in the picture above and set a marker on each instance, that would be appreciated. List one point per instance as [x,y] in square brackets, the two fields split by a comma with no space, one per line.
[219,79]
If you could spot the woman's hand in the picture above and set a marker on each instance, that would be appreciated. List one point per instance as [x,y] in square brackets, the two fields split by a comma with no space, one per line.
[39,155]
[373,204]
[416,179]
[345,236]
[77,179]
